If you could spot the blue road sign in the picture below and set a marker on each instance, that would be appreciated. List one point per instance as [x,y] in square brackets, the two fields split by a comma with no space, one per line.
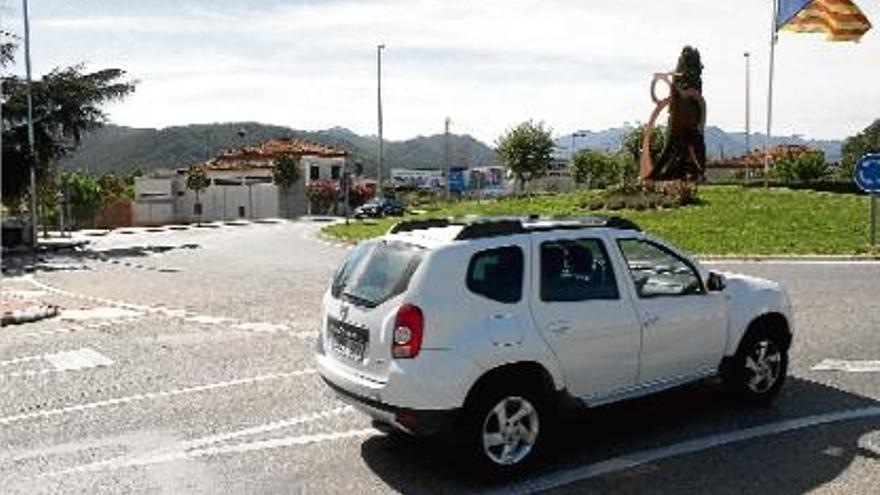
[867,173]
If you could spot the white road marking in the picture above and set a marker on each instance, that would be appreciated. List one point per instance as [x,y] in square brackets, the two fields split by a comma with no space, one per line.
[201,446]
[208,320]
[111,313]
[74,360]
[742,261]
[635,459]
[41,333]
[25,294]
[282,442]
[25,359]
[848,366]
[261,327]
[124,310]
[148,396]
[77,360]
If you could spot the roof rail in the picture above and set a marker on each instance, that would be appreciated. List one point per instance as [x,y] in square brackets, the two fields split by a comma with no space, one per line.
[491,228]
[411,225]
[482,227]
[622,223]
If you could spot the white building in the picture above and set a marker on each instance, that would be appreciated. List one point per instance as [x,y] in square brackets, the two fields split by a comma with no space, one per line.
[240,185]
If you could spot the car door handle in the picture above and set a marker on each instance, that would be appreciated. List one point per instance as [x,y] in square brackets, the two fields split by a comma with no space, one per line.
[650,320]
[559,327]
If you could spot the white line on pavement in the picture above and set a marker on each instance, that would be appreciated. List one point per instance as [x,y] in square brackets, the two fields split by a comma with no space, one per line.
[75,360]
[848,366]
[282,442]
[201,446]
[566,477]
[151,395]
[741,261]
[25,359]
[255,327]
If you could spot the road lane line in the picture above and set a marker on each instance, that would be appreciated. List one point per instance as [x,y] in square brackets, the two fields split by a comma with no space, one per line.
[25,359]
[282,442]
[744,261]
[199,447]
[566,477]
[75,360]
[848,366]
[148,396]
[254,327]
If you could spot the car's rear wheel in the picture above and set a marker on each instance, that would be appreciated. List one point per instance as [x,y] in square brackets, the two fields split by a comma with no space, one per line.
[504,429]
[757,371]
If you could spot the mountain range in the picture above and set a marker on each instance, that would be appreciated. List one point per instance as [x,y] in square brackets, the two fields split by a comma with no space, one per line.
[719,143]
[123,150]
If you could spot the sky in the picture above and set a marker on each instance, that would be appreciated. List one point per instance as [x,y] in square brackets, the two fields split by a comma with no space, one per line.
[487,65]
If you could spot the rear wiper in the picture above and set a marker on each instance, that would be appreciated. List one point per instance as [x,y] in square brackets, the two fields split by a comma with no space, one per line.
[360,301]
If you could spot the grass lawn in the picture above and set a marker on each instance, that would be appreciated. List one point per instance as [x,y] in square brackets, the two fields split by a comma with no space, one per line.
[729,220]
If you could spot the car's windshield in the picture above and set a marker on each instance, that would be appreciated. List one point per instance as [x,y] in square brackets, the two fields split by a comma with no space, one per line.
[376,271]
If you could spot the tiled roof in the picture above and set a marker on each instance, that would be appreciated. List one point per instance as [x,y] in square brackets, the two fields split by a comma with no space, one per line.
[257,155]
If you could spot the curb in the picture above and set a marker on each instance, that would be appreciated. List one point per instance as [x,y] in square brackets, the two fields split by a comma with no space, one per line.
[828,258]
[28,315]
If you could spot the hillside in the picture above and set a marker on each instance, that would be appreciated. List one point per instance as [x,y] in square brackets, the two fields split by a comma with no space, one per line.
[125,149]
[719,143]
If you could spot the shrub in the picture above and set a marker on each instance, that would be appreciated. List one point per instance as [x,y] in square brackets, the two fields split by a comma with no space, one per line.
[322,194]
[802,168]
[359,193]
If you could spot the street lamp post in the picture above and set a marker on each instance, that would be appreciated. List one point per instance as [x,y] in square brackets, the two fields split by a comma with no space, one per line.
[446,156]
[747,56]
[379,101]
[30,123]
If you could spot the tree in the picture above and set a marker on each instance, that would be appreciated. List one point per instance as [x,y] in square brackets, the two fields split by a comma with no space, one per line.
[85,196]
[197,181]
[801,168]
[286,172]
[66,104]
[595,167]
[526,151]
[867,141]
[631,148]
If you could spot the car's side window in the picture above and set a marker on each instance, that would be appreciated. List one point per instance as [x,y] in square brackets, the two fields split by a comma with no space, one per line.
[576,270]
[497,274]
[657,271]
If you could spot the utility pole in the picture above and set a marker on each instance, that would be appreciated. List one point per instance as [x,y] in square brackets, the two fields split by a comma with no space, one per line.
[773,39]
[747,56]
[30,126]
[446,156]
[379,100]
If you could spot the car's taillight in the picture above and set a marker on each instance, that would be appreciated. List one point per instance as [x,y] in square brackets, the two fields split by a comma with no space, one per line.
[409,324]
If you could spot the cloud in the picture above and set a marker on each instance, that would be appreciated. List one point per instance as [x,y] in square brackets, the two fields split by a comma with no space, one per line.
[487,65]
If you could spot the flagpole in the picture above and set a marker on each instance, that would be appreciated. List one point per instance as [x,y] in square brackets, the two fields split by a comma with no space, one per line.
[773,38]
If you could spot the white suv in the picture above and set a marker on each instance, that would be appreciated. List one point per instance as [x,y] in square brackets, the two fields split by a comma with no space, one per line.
[483,328]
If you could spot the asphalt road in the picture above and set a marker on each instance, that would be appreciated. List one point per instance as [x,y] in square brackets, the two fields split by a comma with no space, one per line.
[183,364]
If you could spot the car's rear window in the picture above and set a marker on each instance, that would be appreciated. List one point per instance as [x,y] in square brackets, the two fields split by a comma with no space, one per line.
[376,271]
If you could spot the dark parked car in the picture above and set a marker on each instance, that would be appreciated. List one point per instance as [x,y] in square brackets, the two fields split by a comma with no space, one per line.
[380,207]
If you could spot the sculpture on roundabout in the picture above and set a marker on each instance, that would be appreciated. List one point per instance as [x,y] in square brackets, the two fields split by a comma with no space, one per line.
[684,152]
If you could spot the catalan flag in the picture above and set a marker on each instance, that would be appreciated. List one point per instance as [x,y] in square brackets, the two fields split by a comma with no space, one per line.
[840,20]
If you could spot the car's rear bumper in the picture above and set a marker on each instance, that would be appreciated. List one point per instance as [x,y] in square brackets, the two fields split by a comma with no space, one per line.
[411,421]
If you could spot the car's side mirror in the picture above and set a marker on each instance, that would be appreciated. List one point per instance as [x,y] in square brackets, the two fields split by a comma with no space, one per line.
[716,282]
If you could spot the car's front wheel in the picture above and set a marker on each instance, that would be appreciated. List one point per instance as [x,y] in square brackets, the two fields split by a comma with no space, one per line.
[504,429]
[757,371]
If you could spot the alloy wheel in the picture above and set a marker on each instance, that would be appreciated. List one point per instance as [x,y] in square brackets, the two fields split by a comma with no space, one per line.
[763,366]
[510,431]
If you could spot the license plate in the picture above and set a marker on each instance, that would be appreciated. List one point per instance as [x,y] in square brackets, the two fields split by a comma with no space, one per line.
[348,340]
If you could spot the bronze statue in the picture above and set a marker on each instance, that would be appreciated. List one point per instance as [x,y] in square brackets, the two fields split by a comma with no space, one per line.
[684,154]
